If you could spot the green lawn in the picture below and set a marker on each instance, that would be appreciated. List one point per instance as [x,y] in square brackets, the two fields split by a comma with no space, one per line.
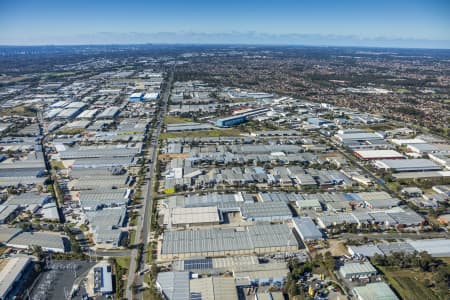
[71,131]
[409,283]
[203,133]
[18,110]
[134,219]
[132,236]
[175,120]
[402,91]
[123,262]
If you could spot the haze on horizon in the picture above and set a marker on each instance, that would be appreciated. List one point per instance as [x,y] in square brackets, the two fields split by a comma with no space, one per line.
[384,23]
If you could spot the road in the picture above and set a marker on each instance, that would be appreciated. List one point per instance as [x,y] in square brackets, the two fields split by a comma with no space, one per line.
[144,223]
[364,168]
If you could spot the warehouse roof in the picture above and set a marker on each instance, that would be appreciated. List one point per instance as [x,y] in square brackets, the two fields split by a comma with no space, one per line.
[190,126]
[366,250]
[340,218]
[217,288]
[390,248]
[355,268]
[27,199]
[48,241]
[435,247]
[174,285]
[359,136]
[194,215]
[227,239]
[265,209]
[307,229]
[407,164]
[406,217]
[7,233]
[11,272]
[280,196]
[373,154]
[375,290]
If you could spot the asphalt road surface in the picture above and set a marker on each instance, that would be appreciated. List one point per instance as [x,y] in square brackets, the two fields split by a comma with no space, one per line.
[144,223]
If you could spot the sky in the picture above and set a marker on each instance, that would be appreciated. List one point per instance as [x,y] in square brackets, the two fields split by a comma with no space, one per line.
[409,23]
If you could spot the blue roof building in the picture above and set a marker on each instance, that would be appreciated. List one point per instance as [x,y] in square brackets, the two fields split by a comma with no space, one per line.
[230,121]
[135,97]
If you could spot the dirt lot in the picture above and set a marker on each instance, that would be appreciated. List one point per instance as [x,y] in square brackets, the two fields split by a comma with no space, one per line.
[336,248]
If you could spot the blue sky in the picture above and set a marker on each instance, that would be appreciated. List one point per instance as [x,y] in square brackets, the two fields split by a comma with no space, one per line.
[114,21]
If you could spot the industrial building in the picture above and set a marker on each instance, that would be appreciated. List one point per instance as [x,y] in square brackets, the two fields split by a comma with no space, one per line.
[259,238]
[230,121]
[435,247]
[357,137]
[135,97]
[11,271]
[106,225]
[191,216]
[306,229]
[406,165]
[188,126]
[216,288]
[353,270]
[265,211]
[173,285]
[51,242]
[378,154]
[103,279]
[109,113]
[241,118]
[375,290]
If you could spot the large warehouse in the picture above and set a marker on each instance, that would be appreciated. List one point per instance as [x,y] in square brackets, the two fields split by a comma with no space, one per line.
[306,229]
[375,290]
[357,269]
[406,165]
[260,238]
[378,154]
[11,273]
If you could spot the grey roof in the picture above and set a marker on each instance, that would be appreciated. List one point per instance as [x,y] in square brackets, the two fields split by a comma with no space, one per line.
[174,285]
[389,248]
[7,233]
[307,229]
[265,209]
[375,291]
[106,224]
[48,241]
[227,239]
[10,273]
[366,250]
[27,199]
[435,247]
[406,217]
[280,196]
[357,268]
[98,152]
[266,235]
[409,164]
[359,136]
[188,127]
[382,217]
[340,218]
[210,199]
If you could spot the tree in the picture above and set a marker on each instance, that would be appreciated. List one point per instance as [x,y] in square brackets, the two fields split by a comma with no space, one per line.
[425,261]
[37,251]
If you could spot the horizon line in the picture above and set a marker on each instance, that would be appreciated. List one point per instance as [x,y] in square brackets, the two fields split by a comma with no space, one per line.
[222,44]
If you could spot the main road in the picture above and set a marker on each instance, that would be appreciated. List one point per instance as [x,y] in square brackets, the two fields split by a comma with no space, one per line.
[144,223]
